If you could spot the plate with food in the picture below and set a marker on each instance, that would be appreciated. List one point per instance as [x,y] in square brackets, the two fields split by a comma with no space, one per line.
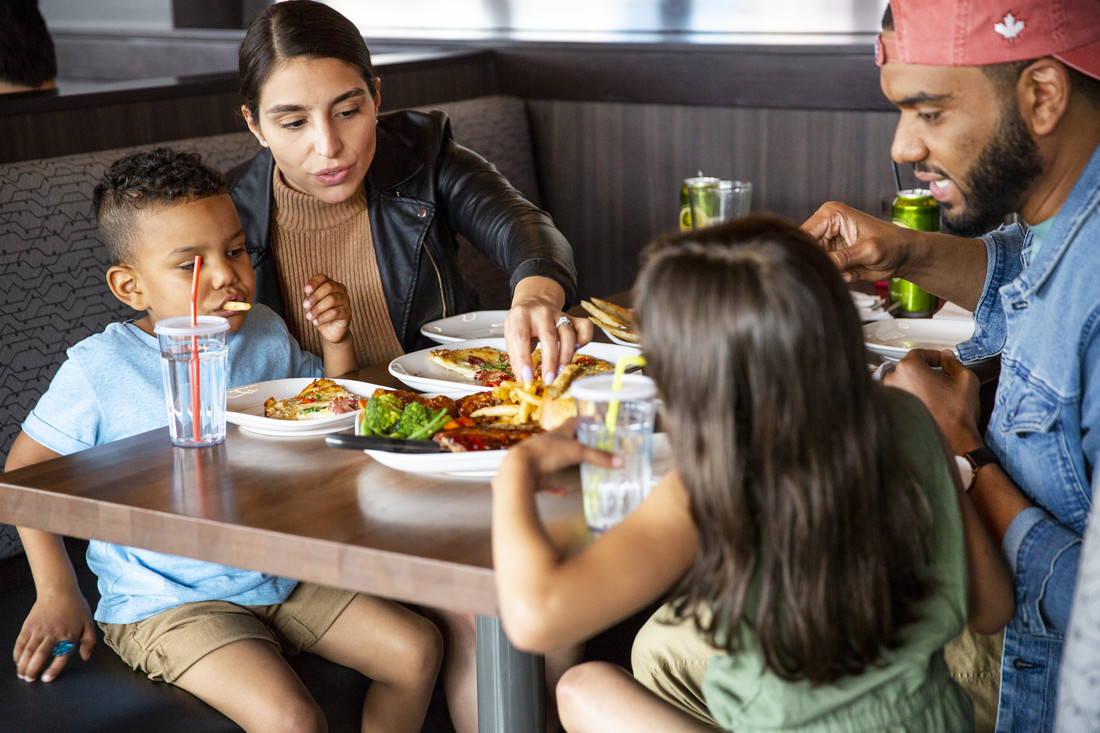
[614,320]
[484,464]
[465,367]
[466,326]
[464,436]
[297,406]
[893,339]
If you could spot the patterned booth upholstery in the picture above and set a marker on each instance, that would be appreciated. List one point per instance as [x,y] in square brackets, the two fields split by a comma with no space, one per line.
[53,294]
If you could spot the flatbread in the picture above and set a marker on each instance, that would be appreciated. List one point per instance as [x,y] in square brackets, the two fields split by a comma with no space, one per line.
[468,362]
[614,319]
[321,398]
[489,367]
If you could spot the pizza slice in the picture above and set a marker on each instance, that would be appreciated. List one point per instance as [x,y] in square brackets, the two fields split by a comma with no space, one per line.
[485,365]
[321,398]
[489,367]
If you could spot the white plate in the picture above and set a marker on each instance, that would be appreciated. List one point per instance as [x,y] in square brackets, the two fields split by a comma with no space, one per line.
[418,372]
[244,406]
[484,464]
[478,463]
[892,339]
[466,326]
[616,339]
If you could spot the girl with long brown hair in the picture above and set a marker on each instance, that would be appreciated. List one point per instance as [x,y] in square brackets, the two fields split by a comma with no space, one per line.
[813,528]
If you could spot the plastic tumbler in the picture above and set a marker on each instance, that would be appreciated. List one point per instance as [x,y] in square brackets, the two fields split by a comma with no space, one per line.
[189,353]
[736,199]
[612,493]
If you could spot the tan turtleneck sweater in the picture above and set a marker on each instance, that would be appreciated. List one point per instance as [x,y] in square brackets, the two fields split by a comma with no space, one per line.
[311,237]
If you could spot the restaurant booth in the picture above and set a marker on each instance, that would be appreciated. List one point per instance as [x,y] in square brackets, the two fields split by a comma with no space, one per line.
[599,128]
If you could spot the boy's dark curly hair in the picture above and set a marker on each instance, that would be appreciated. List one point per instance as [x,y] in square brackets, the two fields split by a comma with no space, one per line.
[160,177]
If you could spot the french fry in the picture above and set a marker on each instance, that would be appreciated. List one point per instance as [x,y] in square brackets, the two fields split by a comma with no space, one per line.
[526,398]
[561,382]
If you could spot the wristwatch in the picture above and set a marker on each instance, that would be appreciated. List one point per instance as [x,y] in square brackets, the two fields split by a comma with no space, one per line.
[971,462]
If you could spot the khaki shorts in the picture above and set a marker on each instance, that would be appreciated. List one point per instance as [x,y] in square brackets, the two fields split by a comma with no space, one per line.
[671,658]
[165,645]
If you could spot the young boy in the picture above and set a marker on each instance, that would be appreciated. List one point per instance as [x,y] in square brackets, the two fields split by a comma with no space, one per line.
[212,630]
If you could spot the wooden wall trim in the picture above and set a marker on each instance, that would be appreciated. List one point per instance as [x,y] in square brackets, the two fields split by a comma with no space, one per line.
[778,77]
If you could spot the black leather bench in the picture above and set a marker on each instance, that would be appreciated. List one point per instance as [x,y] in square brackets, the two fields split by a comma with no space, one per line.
[103,694]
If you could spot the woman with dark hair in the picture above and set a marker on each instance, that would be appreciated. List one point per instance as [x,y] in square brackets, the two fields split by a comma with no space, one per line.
[814,528]
[377,201]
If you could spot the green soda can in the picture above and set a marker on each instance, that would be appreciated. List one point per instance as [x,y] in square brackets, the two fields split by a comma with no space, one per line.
[914,209]
[696,200]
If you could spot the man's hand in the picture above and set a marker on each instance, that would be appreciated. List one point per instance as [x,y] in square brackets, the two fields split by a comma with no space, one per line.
[54,617]
[951,395]
[861,246]
[327,307]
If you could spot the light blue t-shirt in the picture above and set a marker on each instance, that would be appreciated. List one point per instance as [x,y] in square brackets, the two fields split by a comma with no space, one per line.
[121,366]
[1039,234]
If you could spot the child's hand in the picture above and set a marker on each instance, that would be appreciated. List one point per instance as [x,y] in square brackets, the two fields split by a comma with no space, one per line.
[544,454]
[327,307]
[52,619]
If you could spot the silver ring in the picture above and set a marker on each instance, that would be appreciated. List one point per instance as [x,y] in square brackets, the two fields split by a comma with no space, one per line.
[563,321]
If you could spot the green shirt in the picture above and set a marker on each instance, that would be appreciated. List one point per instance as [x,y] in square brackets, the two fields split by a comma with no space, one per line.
[909,690]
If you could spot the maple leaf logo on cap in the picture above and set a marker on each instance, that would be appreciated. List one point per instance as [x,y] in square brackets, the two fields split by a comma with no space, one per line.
[1009,27]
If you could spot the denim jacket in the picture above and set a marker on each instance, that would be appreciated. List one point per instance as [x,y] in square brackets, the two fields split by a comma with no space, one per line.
[1043,315]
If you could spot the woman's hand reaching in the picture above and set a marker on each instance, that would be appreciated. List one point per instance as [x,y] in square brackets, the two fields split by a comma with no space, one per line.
[536,315]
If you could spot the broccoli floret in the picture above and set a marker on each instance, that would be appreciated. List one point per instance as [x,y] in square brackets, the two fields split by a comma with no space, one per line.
[380,415]
[412,419]
[435,422]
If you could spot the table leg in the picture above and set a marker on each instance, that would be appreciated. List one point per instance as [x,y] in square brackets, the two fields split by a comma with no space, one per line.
[510,683]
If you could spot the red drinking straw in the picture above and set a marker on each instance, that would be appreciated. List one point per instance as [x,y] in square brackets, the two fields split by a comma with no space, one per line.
[196,409]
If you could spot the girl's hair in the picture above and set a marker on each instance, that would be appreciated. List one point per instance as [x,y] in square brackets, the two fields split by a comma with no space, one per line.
[298,28]
[811,526]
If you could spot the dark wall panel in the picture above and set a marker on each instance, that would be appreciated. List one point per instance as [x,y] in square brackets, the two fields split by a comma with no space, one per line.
[611,173]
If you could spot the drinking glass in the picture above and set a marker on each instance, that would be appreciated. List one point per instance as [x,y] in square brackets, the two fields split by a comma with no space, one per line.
[619,421]
[193,363]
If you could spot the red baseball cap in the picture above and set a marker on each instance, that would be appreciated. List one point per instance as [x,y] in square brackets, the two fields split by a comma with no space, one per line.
[979,32]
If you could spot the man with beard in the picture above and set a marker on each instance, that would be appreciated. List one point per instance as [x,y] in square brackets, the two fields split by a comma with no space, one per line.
[1000,113]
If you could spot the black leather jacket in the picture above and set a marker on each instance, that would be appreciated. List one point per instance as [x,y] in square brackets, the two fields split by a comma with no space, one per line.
[422,188]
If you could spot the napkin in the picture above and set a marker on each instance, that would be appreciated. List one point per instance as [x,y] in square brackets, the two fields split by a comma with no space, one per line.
[870,307]
[953,312]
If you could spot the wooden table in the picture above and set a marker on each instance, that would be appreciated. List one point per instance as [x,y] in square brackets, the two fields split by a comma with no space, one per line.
[296,508]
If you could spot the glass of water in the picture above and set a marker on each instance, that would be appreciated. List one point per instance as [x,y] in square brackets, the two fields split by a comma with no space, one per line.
[621,422]
[193,362]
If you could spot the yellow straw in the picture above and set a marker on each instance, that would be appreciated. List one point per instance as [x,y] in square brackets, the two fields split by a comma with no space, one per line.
[617,385]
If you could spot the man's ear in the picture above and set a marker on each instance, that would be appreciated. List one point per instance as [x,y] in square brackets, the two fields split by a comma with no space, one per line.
[253,125]
[1042,92]
[125,283]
